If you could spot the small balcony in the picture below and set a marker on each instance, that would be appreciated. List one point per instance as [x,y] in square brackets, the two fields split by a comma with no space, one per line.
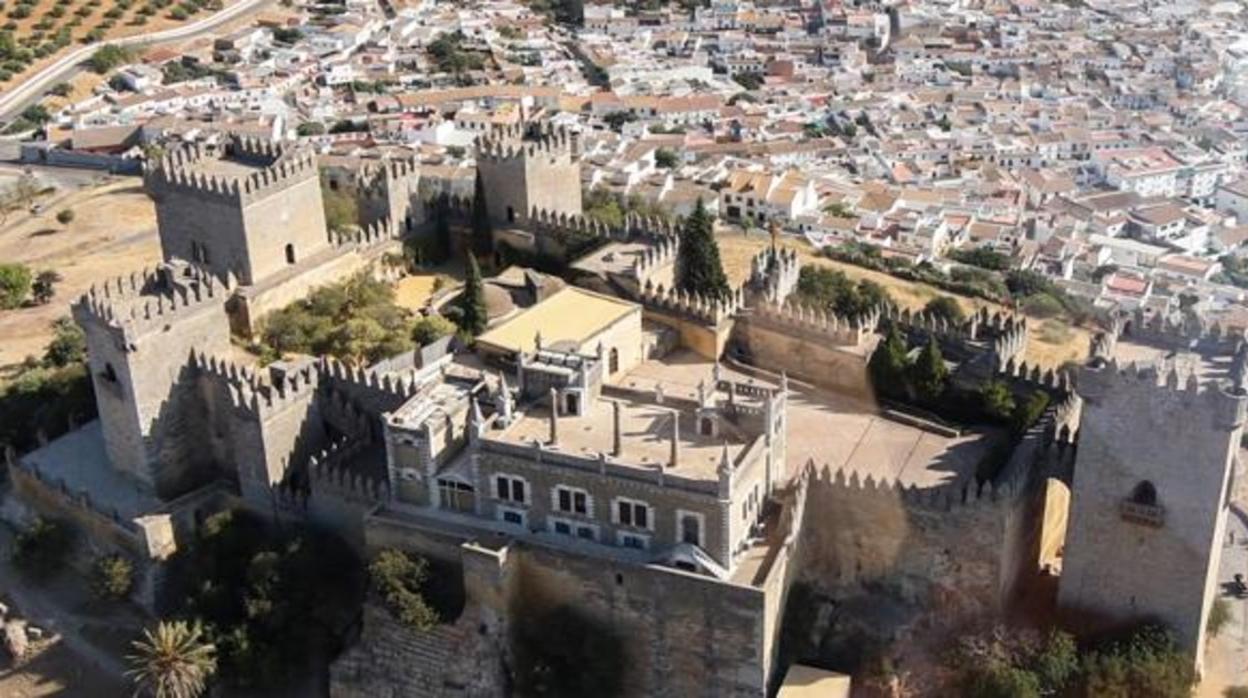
[1146,514]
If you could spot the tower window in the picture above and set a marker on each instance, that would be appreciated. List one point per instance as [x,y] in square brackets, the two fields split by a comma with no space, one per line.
[1144,493]
[290,253]
[511,215]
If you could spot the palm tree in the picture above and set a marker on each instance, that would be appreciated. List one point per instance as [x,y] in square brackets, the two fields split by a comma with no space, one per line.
[175,661]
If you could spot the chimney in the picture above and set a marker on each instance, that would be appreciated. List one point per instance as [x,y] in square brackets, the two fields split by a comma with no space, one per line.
[617,444]
[675,438]
[554,416]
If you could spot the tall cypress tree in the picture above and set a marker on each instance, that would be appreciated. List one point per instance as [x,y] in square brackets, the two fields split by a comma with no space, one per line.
[442,230]
[929,372]
[889,365]
[698,266]
[482,228]
[472,314]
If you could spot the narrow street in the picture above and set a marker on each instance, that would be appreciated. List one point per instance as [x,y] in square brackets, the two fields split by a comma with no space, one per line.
[1226,656]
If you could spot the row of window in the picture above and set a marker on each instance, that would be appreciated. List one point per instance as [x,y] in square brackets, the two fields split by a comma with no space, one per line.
[577,501]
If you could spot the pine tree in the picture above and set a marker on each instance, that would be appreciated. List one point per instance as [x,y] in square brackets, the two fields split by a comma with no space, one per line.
[698,264]
[472,314]
[929,372]
[482,229]
[888,365]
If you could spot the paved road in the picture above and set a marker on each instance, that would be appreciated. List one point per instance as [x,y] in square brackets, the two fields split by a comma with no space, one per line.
[14,101]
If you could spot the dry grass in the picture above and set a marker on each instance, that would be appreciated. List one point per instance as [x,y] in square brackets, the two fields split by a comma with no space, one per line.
[113,233]
[413,292]
[1051,345]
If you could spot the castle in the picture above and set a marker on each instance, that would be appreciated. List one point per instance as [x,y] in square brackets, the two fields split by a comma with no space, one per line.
[636,452]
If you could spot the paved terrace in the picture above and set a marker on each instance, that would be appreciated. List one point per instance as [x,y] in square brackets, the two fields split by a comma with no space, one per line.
[646,436]
[837,430]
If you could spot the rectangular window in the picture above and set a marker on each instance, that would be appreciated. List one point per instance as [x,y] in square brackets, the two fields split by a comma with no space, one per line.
[571,501]
[630,540]
[563,528]
[587,532]
[632,513]
[511,516]
[456,496]
[510,489]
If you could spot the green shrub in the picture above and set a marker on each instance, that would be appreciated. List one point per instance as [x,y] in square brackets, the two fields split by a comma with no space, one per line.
[111,577]
[41,548]
[1147,664]
[65,216]
[428,330]
[15,283]
[399,578]
[1219,616]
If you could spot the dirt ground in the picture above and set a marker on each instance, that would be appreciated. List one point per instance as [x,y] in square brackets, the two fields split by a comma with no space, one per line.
[1051,344]
[113,233]
[55,670]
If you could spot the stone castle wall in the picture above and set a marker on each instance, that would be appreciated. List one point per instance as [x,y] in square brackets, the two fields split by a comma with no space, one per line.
[685,635]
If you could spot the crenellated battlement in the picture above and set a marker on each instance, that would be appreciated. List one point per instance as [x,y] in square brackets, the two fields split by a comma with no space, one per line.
[367,237]
[774,274]
[150,299]
[265,168]
[658,256]
[331,473]
[1047,378]
[949,497]
[825,326]
[527,140]
[709,311]
[403,388]
[1163,389]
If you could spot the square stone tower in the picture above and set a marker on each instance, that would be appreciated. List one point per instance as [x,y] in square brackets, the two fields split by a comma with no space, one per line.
[140,333]
[248,208]
[1157,444]
[529,168]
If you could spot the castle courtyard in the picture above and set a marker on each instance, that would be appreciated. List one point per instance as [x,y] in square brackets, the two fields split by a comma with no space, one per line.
[837,430]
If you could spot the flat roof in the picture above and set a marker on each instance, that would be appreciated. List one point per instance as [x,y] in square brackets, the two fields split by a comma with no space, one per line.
[571,315]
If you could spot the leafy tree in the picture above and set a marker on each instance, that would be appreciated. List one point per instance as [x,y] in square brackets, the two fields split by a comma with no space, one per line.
[473,316]
[946,308]
[111,577]
[929,373]
[888,365]
[65,216]
[37,114]
[430,329]
[1028,413]
[341,210]
[750,81]
[108,57]
[482,227]
[44,286]
[997,400]
[603,206]
[1147,664]
[41,548]
[982,257]
[68,345]
[399,578]
[356,321]
[15,282]
[175,661]
[699,270]
[310,128]
[666,159]
[833,291]
[616,120]
[1002,681]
